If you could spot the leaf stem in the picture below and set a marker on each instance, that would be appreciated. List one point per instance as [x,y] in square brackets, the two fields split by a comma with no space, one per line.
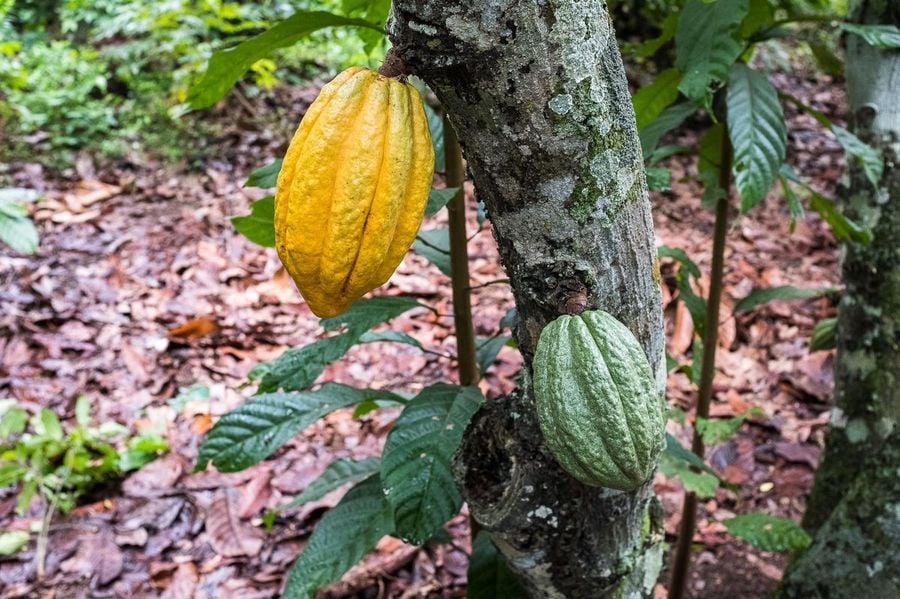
[40,554]
[489,283]
[433,352]
[707,368]
[803,19]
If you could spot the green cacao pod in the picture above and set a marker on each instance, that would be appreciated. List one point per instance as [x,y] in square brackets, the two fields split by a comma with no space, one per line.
[597,401]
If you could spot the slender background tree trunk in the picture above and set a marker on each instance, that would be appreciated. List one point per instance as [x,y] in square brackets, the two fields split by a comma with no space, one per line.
[537,94]
[854,509]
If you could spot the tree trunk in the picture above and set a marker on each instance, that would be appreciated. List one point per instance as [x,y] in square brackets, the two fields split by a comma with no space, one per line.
[537,94]
[853,509]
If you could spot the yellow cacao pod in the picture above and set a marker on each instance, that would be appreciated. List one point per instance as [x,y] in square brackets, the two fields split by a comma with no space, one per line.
[352,188]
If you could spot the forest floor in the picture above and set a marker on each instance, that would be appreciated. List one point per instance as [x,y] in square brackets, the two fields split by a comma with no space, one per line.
[143,298]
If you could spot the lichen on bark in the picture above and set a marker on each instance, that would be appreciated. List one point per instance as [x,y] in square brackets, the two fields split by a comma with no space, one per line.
[537,94]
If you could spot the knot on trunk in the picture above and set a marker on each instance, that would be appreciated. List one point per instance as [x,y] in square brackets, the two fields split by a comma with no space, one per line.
[536,513]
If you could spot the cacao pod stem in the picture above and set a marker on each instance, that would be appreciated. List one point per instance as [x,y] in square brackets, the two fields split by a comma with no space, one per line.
[393,65]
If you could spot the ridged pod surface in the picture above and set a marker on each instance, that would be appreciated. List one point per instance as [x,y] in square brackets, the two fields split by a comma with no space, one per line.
[597,402]
[352,188]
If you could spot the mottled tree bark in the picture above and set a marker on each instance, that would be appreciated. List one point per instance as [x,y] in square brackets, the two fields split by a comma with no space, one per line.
[854,509]
[537,94]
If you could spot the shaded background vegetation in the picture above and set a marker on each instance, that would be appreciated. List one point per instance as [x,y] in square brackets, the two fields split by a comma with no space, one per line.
[110,77]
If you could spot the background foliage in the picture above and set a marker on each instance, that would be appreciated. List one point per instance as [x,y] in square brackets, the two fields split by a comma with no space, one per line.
[111,77]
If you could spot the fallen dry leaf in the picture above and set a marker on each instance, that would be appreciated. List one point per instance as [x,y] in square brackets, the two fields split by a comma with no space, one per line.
[682,331]
[227,533]
[156,478]
[183,583]
[195,328]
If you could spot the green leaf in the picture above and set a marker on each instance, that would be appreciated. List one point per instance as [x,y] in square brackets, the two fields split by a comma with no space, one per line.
[879,36]
[709,165]
[112,429]
[26,493]
[709,153]
[297,368]
[341,538]
[13,422]
[795,207]
[366,313]
[266,176]
[784,292]
[18,232]
[650,100]
[390,337]
[83,411]
[438,198]
[337,474]
[46,424]
[759,15]
[262,424]
[824,335]
[663,152]
[487,349]
[696,476]
[844,229]
[671,363]
[509,319]
[827,60]
[757,131]
[375,11]
[489,575]
[226,67]
[681,256]
[415,467]
[480,213]
[719,430]
[13,209]
[820,116]
[703,484]
[141,451]
[695,304]
[766,34]
[652,46]
[768,533]
[434,245]
[669,119]
[436,126]
[17,196]
[11,473]
[679,452]
[707,42]
[868,156]
[676,414]
[259,225]
[370,405]
[12,541]
[658,178]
